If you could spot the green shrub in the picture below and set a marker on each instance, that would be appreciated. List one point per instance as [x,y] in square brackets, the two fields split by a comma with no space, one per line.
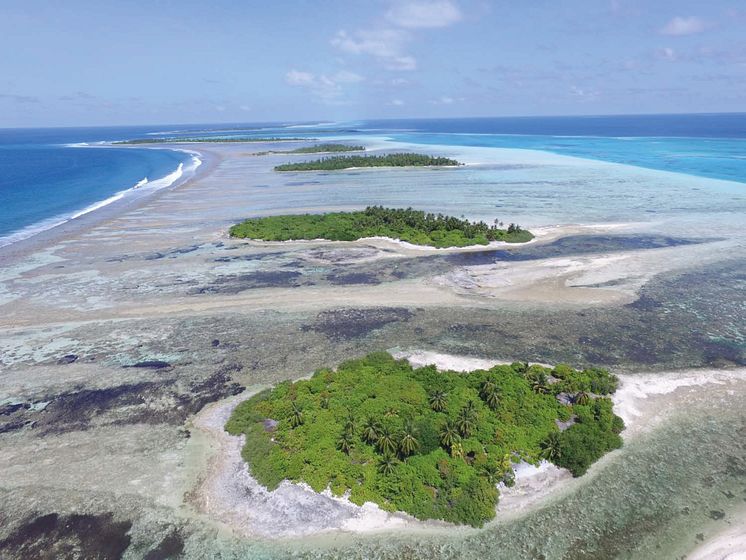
[432,480]
[409,225]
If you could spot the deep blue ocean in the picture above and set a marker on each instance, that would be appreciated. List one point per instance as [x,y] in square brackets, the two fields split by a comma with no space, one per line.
[45,180]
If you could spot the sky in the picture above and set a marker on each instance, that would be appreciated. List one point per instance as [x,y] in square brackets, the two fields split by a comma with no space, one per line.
[107,62]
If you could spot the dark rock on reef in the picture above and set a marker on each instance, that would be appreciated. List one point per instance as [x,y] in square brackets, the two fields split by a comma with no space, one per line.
[152,364]
[345,324]
[150,402]
[170,547]
[53,536]
[68,359]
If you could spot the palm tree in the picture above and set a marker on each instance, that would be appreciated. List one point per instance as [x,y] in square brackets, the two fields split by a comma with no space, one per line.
[539,383]
[438,400]
[296,416]
[350,423]
[408,443]
[457,450]
[391,412]
[491,471]
[449,434]
[466,421]
[345,442]
[550,447]
[387,441]
[582,398]
[324,401]
[490,394]
[387,464]
[371,430]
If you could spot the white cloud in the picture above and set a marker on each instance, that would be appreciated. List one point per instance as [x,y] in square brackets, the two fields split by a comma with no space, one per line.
[326,88]
[667,53]
[387,45]
[400,63]
[445,100]
[297,78]
[397,102]
[244,108]
[584,94]
[684,26]
[382,43]
[347,77]
[415,14]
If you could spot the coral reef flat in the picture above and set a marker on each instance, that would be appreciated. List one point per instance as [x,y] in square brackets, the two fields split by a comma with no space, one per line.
[125,341]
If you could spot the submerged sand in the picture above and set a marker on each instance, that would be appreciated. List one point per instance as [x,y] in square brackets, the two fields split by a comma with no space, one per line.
[126,332]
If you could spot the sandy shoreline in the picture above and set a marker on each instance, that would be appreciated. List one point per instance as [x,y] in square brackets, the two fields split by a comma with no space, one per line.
[230,495]
[73,227]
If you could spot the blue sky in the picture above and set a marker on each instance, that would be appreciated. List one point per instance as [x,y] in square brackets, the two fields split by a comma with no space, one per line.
[162,61]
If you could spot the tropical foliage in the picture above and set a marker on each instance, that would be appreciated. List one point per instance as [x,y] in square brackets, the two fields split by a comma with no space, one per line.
[431,443]
[324,148]
[389,160]
[408,225]
[210,139]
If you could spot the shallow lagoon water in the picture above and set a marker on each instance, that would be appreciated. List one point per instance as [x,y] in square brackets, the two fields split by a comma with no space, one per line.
[692,316]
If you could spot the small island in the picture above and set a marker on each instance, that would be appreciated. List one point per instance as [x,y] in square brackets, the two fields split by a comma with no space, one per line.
[412,226]
[335,163]
[325,148]
[430,443]
[208,140]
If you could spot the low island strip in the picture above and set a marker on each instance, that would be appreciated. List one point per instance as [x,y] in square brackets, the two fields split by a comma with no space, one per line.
[335,163]
[412,226]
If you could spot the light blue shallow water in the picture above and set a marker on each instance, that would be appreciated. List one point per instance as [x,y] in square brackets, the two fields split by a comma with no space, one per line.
[44,181]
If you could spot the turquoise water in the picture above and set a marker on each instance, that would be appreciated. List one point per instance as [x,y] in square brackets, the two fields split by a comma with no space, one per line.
[44,181]
[717,158]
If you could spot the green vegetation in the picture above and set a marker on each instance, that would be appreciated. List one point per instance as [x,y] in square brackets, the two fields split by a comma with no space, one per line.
[433,444]
[408,225]
[324,148]
[208,140]
[388,160]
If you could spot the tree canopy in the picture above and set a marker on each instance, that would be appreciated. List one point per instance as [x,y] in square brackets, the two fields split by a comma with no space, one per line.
[409,225]
[388,160]
[430,443]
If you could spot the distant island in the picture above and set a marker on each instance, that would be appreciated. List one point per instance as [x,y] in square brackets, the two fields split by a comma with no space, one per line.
[316,149]
[412,226]
[388,160]
[326,148]
[209,140]
[430,443]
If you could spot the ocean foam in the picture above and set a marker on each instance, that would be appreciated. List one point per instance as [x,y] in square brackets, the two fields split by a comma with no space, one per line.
[140,186]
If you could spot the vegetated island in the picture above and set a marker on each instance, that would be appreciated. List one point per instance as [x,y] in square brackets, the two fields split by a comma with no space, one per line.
[335,163]
[326,148]
[430,443]
[210,140]
[412,226]
[316,149]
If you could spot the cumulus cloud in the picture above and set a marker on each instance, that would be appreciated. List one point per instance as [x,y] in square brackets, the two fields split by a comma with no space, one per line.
[327,88]
[424,14]
[584,94]
[667,53]
[443,100]
[387,45]
[298,78]
[684,26]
